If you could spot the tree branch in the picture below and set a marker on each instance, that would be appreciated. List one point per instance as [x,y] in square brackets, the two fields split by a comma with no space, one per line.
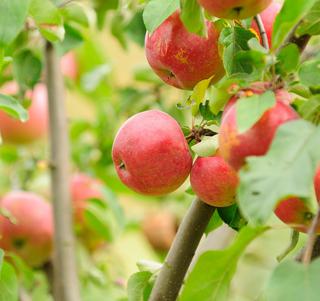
[262,32]
[170,279]
[66,286]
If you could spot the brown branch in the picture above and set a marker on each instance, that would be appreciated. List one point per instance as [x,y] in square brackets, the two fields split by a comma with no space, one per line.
[170,279]
[66,287]
[262,31]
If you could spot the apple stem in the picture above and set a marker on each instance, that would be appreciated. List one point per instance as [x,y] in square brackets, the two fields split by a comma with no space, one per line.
[262,32]
[170,279]
[66,286]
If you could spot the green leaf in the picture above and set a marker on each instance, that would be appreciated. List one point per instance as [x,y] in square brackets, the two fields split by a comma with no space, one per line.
[76,13]
[249,110]
[231,215]
[214,223]
[146,75]
[288,59]
[309,73]
[207,147]
[156,11]
[13,14]
[192,17]
[13,107]
[135,29]
[27,68]
[211,276]
[294,281]
[310,24]
[286,170]
[198,94]
[48,19]
[8,283]
[137,283]
[310,110]
[291,13]
[101,7]
[118,30]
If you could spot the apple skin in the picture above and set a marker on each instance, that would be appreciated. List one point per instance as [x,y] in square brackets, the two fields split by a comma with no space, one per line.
[36,127]
[214,181]
[180,58]
[151,154]
[69,66]
[160,229]
[234,147]
[317,184]
[32,236]
[268,17]
[234,9]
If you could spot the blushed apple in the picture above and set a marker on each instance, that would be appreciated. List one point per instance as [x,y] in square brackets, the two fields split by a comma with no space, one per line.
[69,66]
[151,154]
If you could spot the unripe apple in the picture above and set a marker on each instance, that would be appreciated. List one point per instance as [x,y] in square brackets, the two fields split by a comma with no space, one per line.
[160,229]
[36,127]
[69,66]
[214,181]
[31,234]
[268,17]
[181,58]
[150,153]
[234,147]
[234,9]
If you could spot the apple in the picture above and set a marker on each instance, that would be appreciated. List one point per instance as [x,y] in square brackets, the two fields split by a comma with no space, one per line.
[160,229]
[317,184]
[234,147]
[36,127]
[151,154]
[69,66]
[268,17]
[214,181]
[31,236]
[234,9]
[181,58]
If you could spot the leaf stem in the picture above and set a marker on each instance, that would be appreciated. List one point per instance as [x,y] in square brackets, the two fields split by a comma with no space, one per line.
[262,31]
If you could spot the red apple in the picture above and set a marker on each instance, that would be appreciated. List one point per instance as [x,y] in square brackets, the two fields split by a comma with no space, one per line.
[36,127]
[150,153]
[234,147]
[268,17]
[214,181]
[32,234]
[69,66]
[317,184]
[181,58]
[234,9]
[160,229]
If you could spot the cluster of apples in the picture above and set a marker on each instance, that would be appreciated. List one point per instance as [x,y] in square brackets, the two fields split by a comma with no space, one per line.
[150,152]
[26,222]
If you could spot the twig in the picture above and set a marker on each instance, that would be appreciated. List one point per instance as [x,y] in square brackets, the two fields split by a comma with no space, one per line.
[262,32]
[170,279]
[65,3]
[66,287]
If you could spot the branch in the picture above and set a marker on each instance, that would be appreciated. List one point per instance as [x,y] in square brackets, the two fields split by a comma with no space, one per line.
[66,286]
[262,32]
[170,279]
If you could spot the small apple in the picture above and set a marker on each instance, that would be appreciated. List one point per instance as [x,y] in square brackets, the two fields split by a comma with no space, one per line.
[36,127]
[214,181]
[151,154]
[31,234]
[234,147]
[69,66]
[268,17]
[234,9]
[160,229]
[181,58]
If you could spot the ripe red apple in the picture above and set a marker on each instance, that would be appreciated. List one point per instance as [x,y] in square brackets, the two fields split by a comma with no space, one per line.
[214,181]
[268,17]
[234,9]
[31,237]
[234,147]
[317,184]
[36,127]
[160,229]
[180,58]
[69,66]
[150,153]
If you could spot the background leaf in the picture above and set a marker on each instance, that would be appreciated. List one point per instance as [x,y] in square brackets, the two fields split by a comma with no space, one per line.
[8,283]
[192,17]
[13,107]
[137,284]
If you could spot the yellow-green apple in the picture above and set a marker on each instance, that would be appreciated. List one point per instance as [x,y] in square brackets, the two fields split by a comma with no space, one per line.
[29,231]
[150,153]
[160,229]
[268,17]
[234,147]
[181,58]
[69,66]
[234,9]
[36,127]
[214,181]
